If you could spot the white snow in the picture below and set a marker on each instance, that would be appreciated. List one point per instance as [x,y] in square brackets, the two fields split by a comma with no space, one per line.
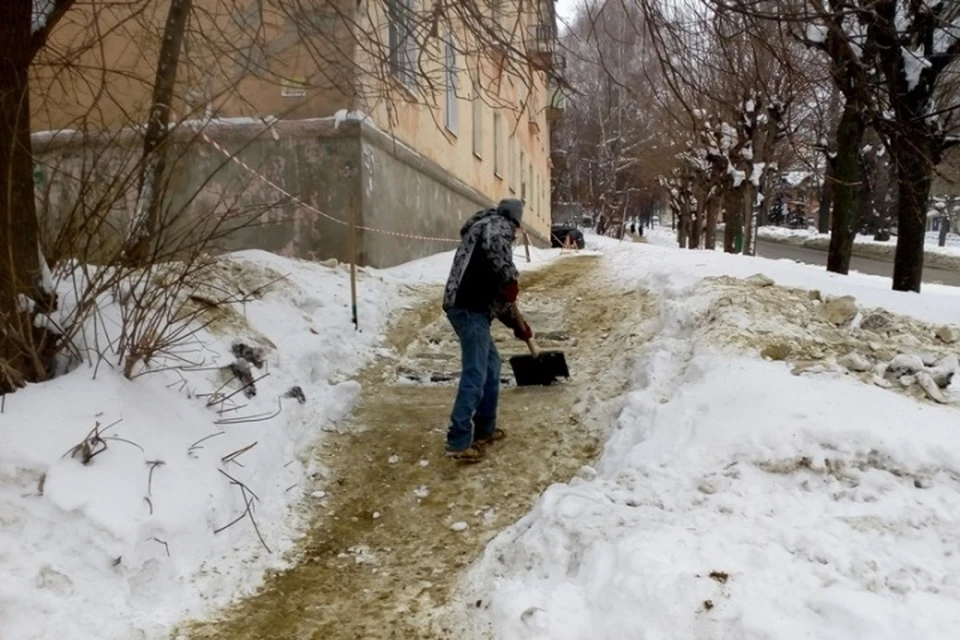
[124,546]
[344,115]
[794,178]
[737,176]
[816,33]
[42,10]
[914,62]
[735,499]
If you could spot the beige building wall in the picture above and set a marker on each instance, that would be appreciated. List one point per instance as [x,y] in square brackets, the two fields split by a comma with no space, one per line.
[492,134]
[99,71]
[240,58]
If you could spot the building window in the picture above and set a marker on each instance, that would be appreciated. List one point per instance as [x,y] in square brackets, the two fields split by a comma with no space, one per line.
[523,176]
[450,82]
[536,193]
[497,145]
[402,44]
[512,161]
[533,193]
[478,127]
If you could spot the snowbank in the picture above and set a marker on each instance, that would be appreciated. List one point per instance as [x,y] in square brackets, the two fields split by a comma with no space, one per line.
[947,256]
[123,503]
[126,544]
[736,499]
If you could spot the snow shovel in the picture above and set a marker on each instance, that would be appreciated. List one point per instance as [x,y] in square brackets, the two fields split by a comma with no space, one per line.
[540,367]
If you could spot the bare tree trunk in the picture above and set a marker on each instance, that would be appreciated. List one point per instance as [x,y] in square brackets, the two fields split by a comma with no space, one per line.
[150,185]
[846,190]
[749,196]
[944,230]
[683,226]
[696,224]
[20,269]
[713,210]
[733,225]
[826,199]
[913,155]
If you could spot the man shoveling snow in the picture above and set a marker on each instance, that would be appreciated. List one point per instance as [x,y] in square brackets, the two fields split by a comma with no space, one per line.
[482,286]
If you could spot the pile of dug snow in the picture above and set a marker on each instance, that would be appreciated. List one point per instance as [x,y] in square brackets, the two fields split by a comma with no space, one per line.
[116,494]
[735,499]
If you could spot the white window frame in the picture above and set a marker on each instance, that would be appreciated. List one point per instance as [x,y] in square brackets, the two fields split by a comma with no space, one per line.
[498,145]
[523,176]
[512,163]
[451,118]
[477,114]
[401,43]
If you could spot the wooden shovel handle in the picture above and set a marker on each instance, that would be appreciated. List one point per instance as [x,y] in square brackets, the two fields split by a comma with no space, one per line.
[531,344]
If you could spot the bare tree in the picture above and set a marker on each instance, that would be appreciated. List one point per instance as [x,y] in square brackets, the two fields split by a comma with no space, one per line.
[190,60]
[889,60]
[24,290]
[146,220]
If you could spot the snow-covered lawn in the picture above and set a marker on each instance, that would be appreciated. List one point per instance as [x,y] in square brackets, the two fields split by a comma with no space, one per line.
[931,241]
[140,536]
[743,498]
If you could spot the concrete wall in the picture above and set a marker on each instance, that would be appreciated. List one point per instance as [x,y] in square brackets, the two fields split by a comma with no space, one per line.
[339,168]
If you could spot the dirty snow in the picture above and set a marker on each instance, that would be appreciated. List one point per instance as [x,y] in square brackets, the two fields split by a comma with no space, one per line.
[125,545]
[137,538]
[738,497]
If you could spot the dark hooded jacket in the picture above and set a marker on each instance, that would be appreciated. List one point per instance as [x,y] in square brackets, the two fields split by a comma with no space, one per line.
[483,267]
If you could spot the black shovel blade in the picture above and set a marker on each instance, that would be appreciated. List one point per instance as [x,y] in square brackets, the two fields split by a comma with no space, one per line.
[541,370]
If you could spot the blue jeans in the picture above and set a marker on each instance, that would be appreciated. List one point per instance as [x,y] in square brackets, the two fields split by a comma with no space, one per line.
[474,414]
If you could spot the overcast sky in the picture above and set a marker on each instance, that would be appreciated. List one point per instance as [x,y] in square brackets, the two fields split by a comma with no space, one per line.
[565,10]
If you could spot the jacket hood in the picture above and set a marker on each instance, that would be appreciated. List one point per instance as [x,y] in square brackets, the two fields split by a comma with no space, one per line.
[475,218]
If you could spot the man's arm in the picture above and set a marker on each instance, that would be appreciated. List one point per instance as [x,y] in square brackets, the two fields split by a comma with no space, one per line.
[498,246]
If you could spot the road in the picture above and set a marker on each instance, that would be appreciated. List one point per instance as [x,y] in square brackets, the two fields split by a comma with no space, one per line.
[873,266]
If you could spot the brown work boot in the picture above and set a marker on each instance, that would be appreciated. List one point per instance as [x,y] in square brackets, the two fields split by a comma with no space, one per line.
[497,435]
[473,453]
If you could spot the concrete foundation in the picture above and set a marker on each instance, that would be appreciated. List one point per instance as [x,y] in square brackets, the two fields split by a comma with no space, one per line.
[343,169]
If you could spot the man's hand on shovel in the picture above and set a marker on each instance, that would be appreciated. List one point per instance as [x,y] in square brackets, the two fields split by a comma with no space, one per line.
[524,332]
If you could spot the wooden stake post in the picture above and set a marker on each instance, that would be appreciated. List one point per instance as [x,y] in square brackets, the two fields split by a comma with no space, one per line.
[352,252]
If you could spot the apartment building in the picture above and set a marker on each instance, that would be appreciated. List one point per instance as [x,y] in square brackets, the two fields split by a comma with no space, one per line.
[382,113]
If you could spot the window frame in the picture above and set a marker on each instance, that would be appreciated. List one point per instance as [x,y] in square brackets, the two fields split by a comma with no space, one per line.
[477,113]
[451,80]
[498,145]
[512,163]
[401,43]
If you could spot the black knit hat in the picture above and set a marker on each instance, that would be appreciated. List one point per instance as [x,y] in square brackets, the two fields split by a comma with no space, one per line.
[512,208]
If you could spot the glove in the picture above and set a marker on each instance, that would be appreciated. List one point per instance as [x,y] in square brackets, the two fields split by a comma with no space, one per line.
[511,291]
[523,332]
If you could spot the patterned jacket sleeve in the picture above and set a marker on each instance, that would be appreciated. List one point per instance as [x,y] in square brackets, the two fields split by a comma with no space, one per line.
[498,245]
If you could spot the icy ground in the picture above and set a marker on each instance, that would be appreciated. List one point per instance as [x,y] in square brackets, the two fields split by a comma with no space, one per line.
[799,495]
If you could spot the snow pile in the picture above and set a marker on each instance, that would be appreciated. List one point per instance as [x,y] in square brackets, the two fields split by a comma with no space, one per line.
[118,495]
[784,233]
[737,499]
